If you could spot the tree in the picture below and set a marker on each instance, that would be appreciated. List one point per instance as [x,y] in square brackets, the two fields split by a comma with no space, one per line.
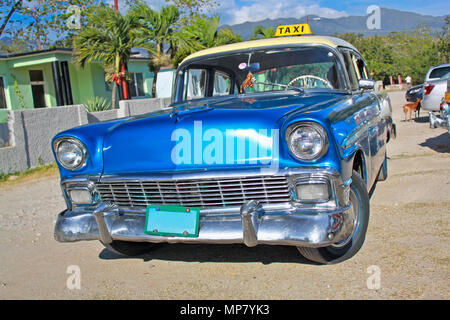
[13,46]
[443,44]
[11,6]
[202,33]
[173,38]
[405,53]
[414,52]
[160,30]
[108,38]
[41,23]
[262,33]
[194,8]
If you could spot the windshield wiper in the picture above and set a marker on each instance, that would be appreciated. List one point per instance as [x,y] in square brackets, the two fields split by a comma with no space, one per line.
[287,86]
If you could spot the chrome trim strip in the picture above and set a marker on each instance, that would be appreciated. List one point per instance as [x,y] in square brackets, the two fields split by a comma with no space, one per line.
[208,174]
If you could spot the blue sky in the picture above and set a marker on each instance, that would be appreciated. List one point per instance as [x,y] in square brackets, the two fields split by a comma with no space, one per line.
[238,11]
[358,7]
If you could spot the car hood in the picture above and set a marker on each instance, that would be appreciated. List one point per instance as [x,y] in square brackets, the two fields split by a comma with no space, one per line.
[214,133]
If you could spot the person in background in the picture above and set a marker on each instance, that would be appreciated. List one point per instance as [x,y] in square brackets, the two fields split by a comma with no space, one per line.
[408,81]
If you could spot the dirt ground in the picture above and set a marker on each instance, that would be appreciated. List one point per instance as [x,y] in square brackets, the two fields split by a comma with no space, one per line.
[408,240]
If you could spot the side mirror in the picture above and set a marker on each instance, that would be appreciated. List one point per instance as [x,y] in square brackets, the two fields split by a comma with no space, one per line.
[366,84]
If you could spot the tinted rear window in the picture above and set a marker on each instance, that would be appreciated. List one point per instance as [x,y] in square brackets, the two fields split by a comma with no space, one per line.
[439,72]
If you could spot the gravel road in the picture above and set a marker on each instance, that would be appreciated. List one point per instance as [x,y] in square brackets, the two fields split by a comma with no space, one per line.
[408,242]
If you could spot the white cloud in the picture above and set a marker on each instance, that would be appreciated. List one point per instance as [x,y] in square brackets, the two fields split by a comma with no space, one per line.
[271,9]
[256,10]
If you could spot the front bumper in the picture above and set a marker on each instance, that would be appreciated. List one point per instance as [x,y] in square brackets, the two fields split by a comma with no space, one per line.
[252,223]
[439,121]
[252,226]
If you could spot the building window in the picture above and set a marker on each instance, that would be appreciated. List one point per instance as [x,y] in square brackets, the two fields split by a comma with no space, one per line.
[38,88]
[137,84]
[2,94]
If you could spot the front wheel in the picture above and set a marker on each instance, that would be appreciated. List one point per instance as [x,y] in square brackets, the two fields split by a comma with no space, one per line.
[129,248]
[347,248]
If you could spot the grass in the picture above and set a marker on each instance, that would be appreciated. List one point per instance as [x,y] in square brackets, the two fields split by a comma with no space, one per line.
[33,173]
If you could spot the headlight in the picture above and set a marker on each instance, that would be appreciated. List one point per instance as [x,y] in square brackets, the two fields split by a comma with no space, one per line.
[307,141]
[70,153]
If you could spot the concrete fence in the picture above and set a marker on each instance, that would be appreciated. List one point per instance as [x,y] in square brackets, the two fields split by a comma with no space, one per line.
[25,139]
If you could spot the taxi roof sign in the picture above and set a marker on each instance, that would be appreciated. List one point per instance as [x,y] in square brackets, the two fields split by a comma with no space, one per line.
[293,30]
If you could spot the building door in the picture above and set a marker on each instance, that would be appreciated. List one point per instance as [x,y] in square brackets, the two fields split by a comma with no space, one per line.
[38,88]
[2,94]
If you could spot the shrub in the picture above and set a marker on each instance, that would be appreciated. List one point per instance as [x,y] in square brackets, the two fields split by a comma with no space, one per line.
[96,104]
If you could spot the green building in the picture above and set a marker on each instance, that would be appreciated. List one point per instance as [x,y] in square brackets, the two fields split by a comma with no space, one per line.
[49,78]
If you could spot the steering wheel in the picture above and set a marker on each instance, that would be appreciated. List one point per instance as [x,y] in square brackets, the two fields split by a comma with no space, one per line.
[309,76]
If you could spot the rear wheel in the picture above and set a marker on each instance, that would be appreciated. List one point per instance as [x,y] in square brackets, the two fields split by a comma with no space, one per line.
[347,248]
[131,249]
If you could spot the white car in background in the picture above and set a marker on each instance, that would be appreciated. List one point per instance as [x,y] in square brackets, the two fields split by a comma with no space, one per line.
[435,86]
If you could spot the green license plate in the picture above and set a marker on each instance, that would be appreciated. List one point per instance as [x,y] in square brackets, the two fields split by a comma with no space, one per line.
[172,221]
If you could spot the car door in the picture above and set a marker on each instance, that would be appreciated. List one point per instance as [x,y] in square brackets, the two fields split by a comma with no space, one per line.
[369,105]
[379,127]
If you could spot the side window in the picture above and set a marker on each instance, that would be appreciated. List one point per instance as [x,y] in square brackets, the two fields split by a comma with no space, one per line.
[351,70]
[439,72]
[361,68]
[194,84]
[222,84]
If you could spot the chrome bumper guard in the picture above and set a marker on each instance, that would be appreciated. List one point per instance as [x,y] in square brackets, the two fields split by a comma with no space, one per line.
[439,122]
[252,226]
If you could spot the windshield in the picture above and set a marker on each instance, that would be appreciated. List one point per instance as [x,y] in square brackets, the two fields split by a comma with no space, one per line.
[266,70]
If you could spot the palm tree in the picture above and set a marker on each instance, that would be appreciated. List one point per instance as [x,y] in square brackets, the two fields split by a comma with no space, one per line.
[262,33]
[160,30]
[203,33]
[108,38]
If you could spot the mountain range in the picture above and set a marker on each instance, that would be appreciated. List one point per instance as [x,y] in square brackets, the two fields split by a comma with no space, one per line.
[391,20]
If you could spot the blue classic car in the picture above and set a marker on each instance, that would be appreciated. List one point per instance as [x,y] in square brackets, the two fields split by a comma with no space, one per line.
[274,142]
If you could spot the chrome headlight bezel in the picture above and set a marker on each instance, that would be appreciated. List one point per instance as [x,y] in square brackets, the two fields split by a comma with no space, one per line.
[78,144]
[310,125]
[89,187]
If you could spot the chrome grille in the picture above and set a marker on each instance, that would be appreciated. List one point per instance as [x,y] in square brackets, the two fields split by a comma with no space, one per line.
[201,193]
